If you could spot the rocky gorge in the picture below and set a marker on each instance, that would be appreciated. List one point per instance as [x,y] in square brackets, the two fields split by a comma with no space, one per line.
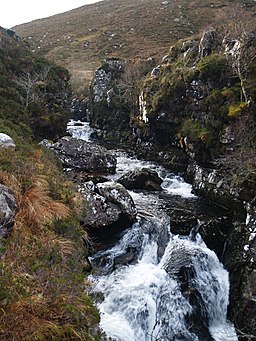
[190,118]
[105,199]
[160,210]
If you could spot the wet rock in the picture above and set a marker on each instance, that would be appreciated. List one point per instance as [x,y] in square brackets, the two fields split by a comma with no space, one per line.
[6,141]
[141,179]
[215,233]
[116,193]
[182,221]
[109,210]
[181,265]
[107,260]
[128,257]
[84,156]
[78,109]
[7,210]
[81,177]
[218,187]
[240,259]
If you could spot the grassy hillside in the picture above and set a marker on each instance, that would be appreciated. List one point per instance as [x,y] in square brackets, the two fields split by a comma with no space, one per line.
[33,92]
[81,38]
[42,260]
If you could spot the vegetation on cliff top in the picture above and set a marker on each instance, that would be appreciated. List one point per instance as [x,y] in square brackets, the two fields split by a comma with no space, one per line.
[33,92]
[80,39]
[205,92]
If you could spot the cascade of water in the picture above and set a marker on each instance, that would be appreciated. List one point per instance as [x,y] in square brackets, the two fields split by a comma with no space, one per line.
[145,299]
[80,130]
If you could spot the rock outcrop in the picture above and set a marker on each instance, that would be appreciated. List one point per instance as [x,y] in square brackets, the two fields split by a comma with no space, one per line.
[236,232]
[84,156]
[109,110]
[6,141]
[141,179]
[109,209]
[7,210]
[104,75]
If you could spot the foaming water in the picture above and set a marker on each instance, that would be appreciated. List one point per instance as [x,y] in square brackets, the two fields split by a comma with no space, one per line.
[144,301]
[80,130]
[172,184]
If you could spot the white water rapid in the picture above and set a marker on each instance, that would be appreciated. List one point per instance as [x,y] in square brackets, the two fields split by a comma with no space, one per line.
[80,130]
[175,288]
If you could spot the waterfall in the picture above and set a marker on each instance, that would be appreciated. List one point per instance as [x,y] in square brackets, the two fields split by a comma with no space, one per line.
[152,285]
[145,299]
[80,130]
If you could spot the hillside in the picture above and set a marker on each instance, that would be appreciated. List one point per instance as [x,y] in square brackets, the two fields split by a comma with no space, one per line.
[42,279]
[80,39]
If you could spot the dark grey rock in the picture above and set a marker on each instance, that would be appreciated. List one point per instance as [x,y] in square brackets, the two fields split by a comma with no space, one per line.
[116,193]
[141,179]
[84,156]
[109,210]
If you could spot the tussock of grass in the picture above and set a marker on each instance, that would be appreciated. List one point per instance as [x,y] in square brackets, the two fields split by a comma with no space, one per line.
[42,278]
[37,207]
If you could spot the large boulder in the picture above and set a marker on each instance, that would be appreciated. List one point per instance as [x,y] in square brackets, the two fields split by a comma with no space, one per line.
[109,210]
[84,156]
[6,141]
[141,179]
[7,210]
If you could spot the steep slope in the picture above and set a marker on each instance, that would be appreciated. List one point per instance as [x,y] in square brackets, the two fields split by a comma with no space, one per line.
[81,38]
[33,91]
[42,251]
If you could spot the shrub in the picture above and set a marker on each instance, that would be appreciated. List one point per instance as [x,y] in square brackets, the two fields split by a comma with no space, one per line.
[235,110]
[213,67]
[194,130]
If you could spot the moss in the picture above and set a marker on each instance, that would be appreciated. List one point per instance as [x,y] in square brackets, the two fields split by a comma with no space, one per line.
[213,67]
[194,130]
[235,110]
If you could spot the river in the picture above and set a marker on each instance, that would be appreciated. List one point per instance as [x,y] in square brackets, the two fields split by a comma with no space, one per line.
[174,288]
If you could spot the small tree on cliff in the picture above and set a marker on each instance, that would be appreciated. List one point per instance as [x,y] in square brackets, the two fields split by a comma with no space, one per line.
[30,85]
[240,43]
[128,85]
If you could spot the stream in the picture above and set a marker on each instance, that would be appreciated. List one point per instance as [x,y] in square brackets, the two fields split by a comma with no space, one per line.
[173,288]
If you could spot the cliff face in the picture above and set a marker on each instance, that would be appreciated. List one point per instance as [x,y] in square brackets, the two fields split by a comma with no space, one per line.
[195,112]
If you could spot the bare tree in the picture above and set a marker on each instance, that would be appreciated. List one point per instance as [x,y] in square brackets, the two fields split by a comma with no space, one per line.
[127,86]
[29,84]
[239,28]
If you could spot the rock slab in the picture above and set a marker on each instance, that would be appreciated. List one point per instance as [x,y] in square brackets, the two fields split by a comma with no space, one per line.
[84,156]
[7,210]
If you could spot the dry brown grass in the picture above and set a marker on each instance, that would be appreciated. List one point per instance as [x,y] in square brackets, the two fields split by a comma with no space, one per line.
[42,279]
[36,207]
[82,38]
